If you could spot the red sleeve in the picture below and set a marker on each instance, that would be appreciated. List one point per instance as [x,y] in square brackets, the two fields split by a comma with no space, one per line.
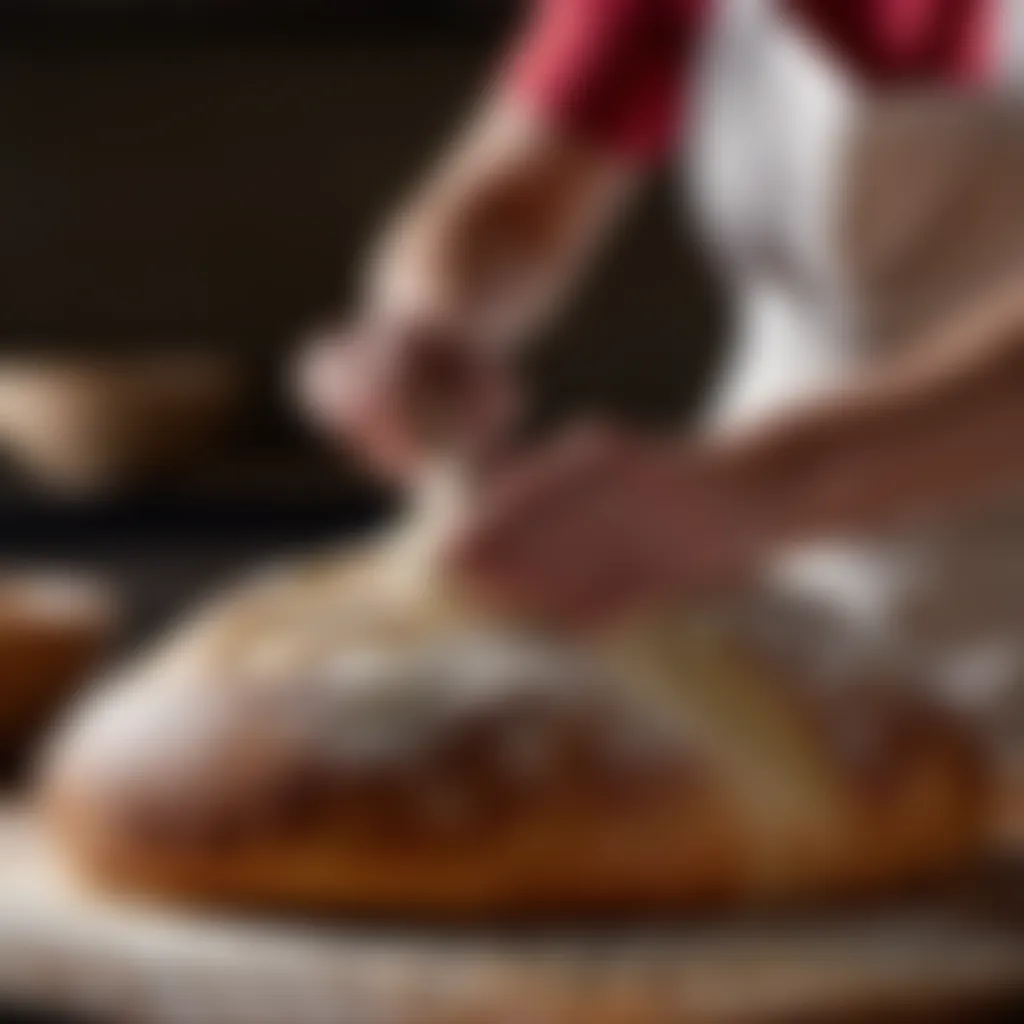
[895,42]
[612,70]
[608,70]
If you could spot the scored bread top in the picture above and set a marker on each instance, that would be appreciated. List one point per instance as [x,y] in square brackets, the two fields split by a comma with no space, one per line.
[329,734]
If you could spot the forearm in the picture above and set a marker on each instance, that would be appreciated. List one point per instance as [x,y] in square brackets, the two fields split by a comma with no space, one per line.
[941,428]
[464,273]
[499,232]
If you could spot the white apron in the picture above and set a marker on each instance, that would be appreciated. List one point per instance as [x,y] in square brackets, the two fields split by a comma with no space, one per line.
[776,158]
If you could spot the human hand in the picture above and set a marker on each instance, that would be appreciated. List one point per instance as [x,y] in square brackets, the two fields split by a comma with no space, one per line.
[603,525]
[399,391]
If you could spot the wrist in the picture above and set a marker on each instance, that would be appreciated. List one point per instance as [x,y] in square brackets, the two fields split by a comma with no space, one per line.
[814,475]
[781,485]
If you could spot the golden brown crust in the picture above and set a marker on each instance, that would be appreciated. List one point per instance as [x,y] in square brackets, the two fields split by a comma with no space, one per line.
[506,800]
[517,803]
[462,770]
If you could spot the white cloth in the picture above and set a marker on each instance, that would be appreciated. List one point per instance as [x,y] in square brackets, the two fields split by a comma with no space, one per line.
[775,119]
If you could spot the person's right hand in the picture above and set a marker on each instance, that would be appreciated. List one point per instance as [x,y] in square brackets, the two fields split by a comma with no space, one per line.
[398,393]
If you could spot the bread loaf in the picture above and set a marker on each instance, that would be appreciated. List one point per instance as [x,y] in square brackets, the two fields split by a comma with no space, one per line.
[337,735]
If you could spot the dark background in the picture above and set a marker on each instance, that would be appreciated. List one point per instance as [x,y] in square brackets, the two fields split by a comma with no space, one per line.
[206,173]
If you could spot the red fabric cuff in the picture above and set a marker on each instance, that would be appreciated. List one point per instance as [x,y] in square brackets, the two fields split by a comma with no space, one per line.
[609,71]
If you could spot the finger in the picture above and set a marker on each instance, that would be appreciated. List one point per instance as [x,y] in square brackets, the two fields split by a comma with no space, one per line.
[349,386]
[322,380]
[634,572]
[539,543]
[572,565]
[619,598]
[491,413]
[528,492]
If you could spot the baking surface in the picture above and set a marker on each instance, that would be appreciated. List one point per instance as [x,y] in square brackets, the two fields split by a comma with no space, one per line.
[133,962]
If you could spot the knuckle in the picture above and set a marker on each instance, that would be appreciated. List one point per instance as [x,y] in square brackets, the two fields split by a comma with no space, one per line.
[594,441]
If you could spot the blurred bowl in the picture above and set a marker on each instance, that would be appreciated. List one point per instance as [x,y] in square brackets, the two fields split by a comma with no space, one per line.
[91,424]
[54,630]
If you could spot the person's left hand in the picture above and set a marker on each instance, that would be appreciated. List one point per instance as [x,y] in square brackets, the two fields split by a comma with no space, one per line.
[602,525]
